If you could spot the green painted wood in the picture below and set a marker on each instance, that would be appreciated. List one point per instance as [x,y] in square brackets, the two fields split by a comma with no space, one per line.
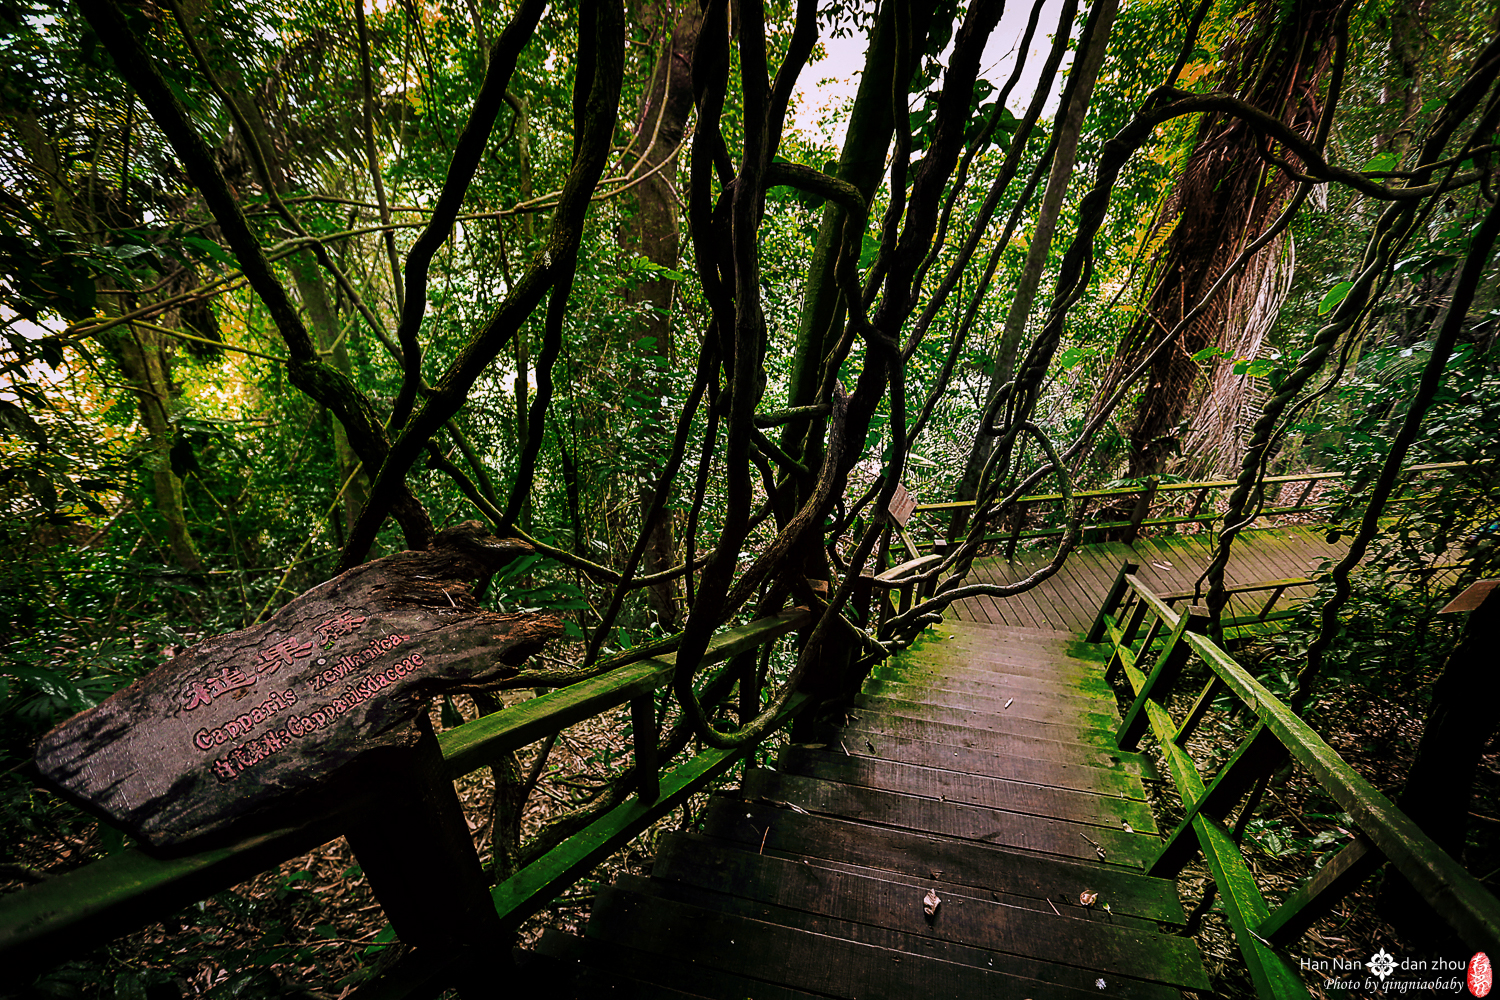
[1257,755]
[475,744]
[1344,873]
[94,904]
[525,892]
[1470,909]
[1245,908]
[1164,673]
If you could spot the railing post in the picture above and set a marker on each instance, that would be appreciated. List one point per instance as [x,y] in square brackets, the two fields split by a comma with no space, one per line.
[415,849]
[1015,532]
[1112,600]
[1335,880]
[1258,754]
[1168,665]
[643,734]
[1142,508]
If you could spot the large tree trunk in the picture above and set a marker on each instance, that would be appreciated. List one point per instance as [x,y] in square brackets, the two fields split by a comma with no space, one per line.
[652,232]
[1226,197]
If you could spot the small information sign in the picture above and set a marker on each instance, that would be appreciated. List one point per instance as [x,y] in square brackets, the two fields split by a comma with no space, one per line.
[901,505]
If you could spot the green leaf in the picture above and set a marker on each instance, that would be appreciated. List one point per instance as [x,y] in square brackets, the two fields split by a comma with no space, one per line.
[1071,358]
[1381,161]
[1211,354]
[1335,295]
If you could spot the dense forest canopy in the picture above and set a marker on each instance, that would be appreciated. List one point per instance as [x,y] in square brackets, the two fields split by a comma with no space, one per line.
[284,287]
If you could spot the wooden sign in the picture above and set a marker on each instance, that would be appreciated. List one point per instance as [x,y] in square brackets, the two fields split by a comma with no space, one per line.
[1473,596]
[243,721]
[901,505]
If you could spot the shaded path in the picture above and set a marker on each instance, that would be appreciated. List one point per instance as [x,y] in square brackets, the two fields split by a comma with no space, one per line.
[979,765]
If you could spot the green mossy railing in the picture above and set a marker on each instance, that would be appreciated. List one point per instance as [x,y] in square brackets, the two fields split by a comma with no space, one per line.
[1153,493]
[67,915]
[1278,736]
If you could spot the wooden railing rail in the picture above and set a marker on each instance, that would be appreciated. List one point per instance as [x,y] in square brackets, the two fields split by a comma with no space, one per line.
[128,889]
[1385,833]
[1151,492]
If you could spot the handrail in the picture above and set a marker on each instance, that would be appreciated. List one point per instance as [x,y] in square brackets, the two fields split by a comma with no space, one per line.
[1149,491]
[1214,484]
[130,888]
[1385,833]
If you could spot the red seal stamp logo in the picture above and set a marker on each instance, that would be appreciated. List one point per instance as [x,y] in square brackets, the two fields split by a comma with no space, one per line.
[1481,975]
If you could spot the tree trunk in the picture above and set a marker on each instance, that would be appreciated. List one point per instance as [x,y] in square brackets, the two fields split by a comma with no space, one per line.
[652,232]
[1225,198]
[1024,297]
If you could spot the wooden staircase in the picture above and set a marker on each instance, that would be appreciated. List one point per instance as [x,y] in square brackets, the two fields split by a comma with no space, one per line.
[978,766]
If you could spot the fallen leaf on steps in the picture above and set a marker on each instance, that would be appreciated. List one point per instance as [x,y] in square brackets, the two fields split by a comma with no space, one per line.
[1087,897]
[931,902]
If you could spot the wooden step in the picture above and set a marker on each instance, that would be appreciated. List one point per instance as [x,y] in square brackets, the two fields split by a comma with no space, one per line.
[990,683]
[759,826]
[1014,830]
[972,789]
[1009,704]
[1039,635]
[822,963]
[623,969]
[977,716]
[871,727]
[849,904]
[969,760]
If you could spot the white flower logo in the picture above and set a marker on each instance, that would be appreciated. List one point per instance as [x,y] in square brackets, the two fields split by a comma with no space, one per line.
[1382,964]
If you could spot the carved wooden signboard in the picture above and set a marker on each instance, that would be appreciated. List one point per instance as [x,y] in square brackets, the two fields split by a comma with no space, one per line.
[243,720]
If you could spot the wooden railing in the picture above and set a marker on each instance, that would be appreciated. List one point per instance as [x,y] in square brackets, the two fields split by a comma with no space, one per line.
[1153,661]
[1154,505]
[71,913]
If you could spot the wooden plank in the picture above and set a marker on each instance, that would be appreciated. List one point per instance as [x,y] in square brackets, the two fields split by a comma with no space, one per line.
[823,963]
[793,890]
[973,688]
[951,683]
[1009,609]
[991,717]
[971,789]
[1018,831]
[879,730]
[759,826]
[1109,781]
[679,974]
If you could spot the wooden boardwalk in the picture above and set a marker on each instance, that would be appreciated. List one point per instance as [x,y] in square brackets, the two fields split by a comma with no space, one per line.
[1068,601]
[980,767]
